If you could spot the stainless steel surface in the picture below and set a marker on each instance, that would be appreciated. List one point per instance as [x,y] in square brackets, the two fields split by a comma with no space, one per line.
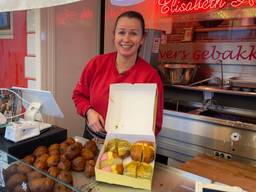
[242,82]
[216,90]
[185,135]
[221,73]
[204,120]
[209,120]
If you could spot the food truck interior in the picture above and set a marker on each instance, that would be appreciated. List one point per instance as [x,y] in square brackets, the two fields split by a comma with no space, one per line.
[210,92]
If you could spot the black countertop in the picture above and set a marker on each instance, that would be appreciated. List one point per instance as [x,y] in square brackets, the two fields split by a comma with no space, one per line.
[23,148]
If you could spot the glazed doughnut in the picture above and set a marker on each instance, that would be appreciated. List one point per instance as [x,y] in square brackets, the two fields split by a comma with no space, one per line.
[143,151]
[119,146]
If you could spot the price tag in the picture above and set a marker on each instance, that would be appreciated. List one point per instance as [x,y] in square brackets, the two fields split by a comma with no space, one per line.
[156,45]
[3,157]
[216,187]
[2,184]
[3,165]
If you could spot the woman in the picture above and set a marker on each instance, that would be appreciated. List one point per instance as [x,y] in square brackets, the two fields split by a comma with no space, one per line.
[123,66]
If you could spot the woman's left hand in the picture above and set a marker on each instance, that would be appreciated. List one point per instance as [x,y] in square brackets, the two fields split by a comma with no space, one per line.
[95,121]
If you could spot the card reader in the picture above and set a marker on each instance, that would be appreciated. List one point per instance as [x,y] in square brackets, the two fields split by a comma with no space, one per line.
[21,130]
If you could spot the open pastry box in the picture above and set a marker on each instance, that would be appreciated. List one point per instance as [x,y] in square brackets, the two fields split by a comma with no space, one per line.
[131,117]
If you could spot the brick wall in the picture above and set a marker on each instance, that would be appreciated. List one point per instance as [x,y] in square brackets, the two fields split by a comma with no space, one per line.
[228,31]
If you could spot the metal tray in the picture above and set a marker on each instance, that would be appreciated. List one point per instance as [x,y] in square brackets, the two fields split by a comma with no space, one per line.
[242,82]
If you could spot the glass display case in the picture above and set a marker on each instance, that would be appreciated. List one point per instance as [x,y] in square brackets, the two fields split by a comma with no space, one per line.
[17,175]
[30,175]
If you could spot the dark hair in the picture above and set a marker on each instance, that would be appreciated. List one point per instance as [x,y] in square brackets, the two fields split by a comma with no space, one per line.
[134,15]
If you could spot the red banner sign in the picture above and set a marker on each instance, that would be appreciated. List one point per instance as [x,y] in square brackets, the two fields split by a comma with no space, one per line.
[229,53]
[179,6]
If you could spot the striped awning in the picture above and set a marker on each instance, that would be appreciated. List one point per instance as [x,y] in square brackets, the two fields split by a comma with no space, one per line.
[14,5]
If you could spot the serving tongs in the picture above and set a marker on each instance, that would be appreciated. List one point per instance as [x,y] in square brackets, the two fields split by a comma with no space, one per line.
[204,80]
[99,135]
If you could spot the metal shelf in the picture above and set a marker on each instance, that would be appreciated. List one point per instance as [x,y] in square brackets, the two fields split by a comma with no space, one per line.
[225,28]
[215,89]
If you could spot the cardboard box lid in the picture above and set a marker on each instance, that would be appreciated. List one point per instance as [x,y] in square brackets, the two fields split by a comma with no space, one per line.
[131,109]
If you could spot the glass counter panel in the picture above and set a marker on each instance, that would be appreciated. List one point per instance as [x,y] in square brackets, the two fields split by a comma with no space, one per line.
[18,176]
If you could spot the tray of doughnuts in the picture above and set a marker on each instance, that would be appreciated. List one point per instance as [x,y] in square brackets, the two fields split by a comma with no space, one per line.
[132,160]
[71,162]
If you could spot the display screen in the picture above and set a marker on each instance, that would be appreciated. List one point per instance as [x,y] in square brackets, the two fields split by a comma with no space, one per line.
[10,105]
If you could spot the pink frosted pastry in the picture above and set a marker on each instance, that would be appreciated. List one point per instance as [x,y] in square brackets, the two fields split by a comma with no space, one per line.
[104,157]
[111,162]
[107,169]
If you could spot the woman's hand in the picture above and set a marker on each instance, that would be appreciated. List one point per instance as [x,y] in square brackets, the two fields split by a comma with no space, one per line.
[95,121]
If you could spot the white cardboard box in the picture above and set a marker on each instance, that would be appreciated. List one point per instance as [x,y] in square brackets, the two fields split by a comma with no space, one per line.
[131,116]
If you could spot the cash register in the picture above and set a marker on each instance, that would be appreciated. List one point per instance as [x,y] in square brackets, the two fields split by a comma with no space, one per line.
[36,102]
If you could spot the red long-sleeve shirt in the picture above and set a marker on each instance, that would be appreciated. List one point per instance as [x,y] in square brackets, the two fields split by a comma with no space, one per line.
[92,90]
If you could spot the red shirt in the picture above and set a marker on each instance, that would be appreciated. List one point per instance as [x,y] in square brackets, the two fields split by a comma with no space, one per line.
[92,90]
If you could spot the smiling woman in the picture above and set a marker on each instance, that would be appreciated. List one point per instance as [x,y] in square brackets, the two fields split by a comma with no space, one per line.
[91,93]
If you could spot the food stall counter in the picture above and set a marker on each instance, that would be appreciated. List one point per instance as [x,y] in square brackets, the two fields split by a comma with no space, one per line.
[16,173]
[165,179]
[21,149]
